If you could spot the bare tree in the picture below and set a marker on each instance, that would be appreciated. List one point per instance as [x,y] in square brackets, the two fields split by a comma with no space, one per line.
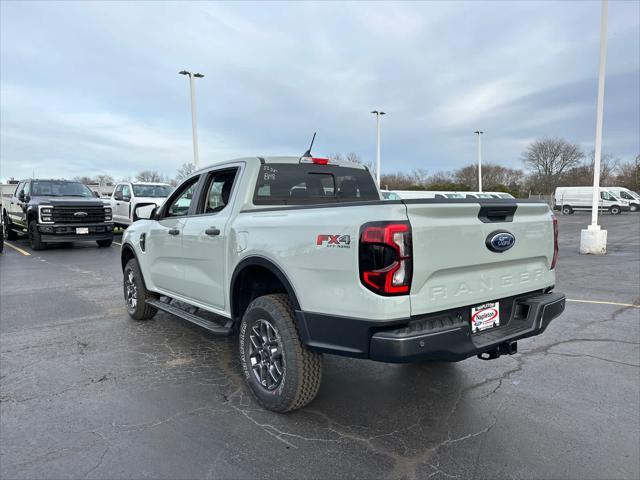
[336,157]
[149,176]
[549,158]
[104,180]
[185,170]
[420,176]
[85,180]
[628,174]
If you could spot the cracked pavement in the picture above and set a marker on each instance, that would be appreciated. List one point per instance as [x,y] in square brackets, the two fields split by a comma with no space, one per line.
[85,392]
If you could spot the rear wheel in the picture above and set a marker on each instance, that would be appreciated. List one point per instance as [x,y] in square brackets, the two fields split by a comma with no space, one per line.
[136,293]
[104,243]
[567,210]
[34,236]
[281,372]
[615,210]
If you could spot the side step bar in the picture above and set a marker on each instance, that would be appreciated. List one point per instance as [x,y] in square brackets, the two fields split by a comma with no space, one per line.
[213,327]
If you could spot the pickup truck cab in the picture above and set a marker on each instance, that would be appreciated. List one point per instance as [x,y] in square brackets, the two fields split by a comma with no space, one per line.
[301,256]
[55,211]
[126,195]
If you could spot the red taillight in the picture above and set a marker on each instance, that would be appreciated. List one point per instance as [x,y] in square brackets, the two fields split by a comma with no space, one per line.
[385,257]
[320,161]
[555,243]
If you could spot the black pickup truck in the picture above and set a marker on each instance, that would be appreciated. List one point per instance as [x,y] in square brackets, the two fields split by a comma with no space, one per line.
[54,211]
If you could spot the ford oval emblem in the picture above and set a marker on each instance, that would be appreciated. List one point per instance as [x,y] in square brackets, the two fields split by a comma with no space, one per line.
[500,241]
[80,214]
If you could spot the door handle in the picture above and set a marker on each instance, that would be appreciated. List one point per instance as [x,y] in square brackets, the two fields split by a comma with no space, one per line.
[212,232]
[174,231]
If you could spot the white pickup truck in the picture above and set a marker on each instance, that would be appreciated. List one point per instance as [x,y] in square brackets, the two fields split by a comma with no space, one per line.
[301,256]
[126,195]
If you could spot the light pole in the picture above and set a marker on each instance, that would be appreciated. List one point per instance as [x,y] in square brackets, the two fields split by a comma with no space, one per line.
[593,239]
[194,125]
[377,113]
[479,133]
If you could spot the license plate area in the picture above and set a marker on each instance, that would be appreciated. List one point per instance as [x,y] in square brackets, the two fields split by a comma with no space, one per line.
[82,230]
[485,317]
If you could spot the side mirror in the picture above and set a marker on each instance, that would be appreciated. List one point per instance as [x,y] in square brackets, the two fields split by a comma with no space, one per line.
[96,194]
[126,199]
[144,211]
[22,197]
[117,195]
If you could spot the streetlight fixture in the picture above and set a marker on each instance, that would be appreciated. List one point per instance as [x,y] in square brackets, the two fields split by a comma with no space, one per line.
[479,133]
[378,113]
[194,125]
[593,239]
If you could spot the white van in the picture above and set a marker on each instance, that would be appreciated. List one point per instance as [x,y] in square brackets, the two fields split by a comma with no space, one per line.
[570,199]
[629,195]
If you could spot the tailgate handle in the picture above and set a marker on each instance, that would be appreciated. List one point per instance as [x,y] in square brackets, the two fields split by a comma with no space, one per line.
[492,213]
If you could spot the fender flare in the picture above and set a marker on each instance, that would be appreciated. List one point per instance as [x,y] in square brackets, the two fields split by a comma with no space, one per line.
[258,261]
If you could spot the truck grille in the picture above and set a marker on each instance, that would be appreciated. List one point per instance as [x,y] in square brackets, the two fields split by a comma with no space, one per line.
[75,214]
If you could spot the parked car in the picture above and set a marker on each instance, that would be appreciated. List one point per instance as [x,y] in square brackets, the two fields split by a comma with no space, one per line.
[126,195]
[571,199]
[289,253]
[629,195]
[412,194]
[53,211]
[387,195]
[1,231]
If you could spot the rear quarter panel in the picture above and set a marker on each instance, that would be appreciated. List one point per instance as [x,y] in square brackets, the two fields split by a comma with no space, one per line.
[324,277]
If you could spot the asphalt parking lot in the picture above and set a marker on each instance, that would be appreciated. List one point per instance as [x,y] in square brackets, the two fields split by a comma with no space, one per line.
[85,392]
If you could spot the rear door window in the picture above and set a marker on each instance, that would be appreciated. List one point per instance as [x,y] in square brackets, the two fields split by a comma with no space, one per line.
[303,184]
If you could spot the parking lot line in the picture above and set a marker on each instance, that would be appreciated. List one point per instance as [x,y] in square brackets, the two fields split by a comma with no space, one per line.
[604,303]
[117,243]
[17,249]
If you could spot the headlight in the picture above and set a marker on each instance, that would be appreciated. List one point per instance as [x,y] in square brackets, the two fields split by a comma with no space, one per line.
[107,214]
[46,214]
[107,210]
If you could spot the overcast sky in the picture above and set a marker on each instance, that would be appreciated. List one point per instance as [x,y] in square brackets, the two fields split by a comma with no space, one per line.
[92,87]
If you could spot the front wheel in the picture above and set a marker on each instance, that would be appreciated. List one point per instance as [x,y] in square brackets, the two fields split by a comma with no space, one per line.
[136,293]
[281,372]
[9,233]
[615,210]
[104,243]
[34,236]
[633,207]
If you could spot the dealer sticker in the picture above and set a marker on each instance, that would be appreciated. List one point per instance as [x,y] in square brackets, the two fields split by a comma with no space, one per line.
[485,316]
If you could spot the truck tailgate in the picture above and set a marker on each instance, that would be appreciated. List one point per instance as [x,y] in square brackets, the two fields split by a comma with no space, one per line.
[452,265]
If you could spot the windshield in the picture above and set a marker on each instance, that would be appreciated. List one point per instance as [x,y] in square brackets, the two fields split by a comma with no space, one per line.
[151,190]
[454,195]
[629,195]
[59,188]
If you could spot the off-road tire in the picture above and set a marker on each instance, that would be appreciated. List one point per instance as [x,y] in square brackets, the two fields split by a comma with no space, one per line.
[35,238]
[615,210]
[142,310]
[567,210]
[302,368]
[104,243]
[9,233]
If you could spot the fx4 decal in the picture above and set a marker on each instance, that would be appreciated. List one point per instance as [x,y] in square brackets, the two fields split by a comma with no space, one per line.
[334,241]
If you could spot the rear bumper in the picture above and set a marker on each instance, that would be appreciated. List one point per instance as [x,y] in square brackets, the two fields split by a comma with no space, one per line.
[57,233]
[444,336]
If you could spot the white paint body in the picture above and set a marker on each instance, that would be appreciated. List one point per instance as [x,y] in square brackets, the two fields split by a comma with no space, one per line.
[452,266]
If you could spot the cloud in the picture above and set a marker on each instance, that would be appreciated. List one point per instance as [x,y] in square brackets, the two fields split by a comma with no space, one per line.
[94,86]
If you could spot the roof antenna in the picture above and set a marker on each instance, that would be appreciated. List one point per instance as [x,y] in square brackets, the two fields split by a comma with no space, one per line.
[308,152]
